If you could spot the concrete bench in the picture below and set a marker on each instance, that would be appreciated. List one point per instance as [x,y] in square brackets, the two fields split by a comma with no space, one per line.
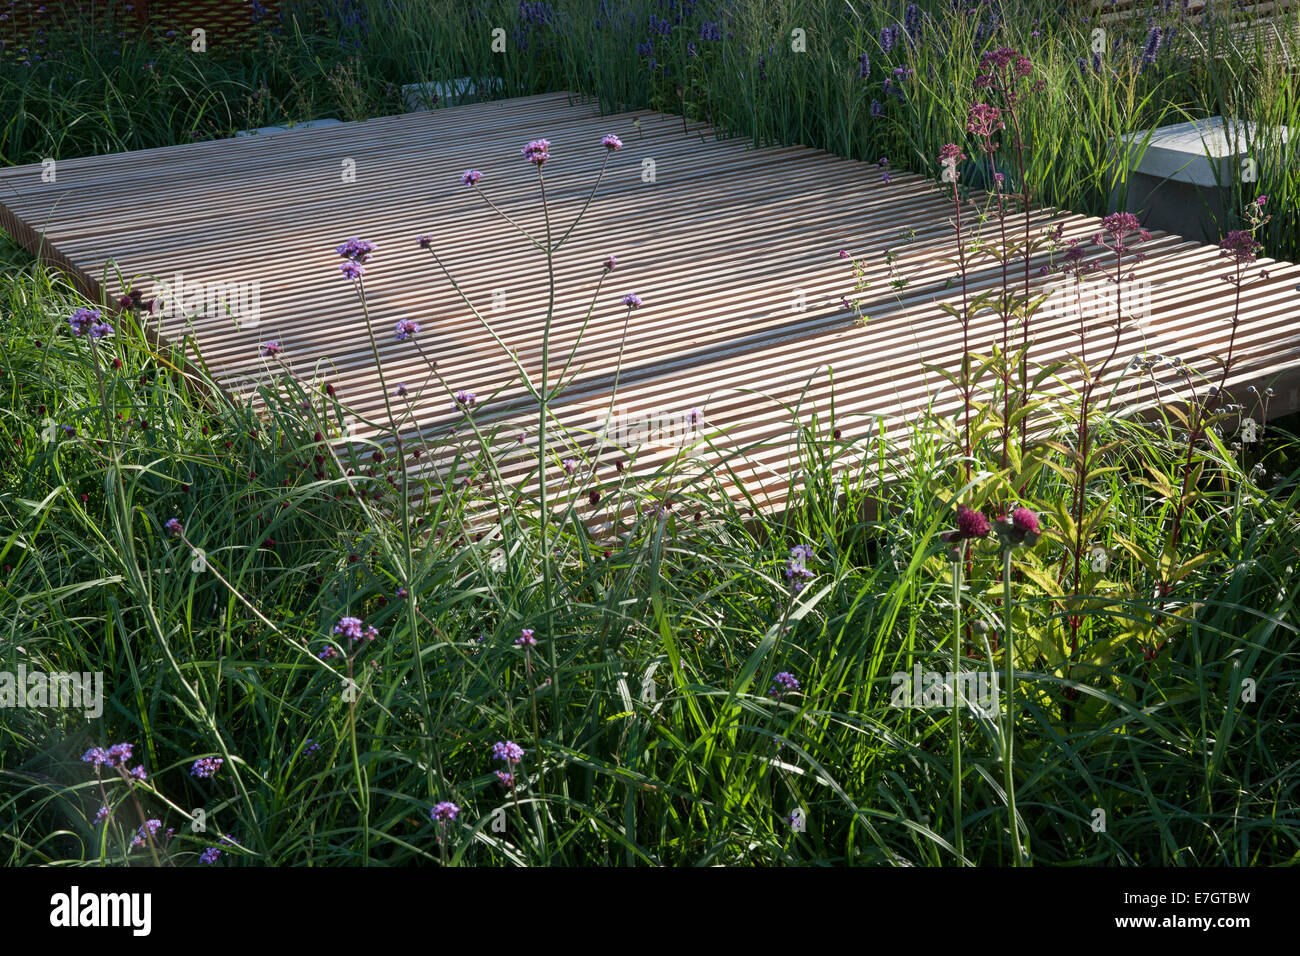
[1181,178]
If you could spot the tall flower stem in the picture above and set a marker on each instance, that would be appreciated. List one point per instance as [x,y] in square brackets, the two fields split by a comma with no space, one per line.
[1009,716]
[957,568]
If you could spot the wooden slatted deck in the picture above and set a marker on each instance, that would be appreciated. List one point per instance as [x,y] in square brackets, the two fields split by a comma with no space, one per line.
[721,246]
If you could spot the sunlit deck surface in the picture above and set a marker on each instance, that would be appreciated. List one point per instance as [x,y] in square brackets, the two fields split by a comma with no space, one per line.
[733,250]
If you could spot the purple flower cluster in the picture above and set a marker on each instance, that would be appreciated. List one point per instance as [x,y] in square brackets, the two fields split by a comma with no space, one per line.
[782,684]
[210,855]
[971,524]
[507,750]
[612,143]
[405,329]
[174,528]
[115,756]
[355,252]
[796,569]
[464,399]
[469,178]
[984,120]
[147,829]
[526,639]
[89,322]
[1021,527]
[537,152]
[206,767]
[271,349]
[353,630]
[444,812]
[1240,246]
[632,300]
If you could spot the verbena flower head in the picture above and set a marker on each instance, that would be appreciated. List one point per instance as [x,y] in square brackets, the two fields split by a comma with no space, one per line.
[796,569]
[401,391]
[210,855]
[464,399]
[424,242]
[632,300]
[612,143]
[971,524]
[470,177]
[271,348]
[351,270]
[537,152]
[405,329]
[206,767]
[115,756]
[355,250]
[610,263]
[174,528]
[83,320]
[506,779]
[349,627]
[147,829]
[783,683]
[526,639]
[507,750]
[444,812]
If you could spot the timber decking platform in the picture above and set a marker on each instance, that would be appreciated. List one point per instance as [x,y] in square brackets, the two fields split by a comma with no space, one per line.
[733,250]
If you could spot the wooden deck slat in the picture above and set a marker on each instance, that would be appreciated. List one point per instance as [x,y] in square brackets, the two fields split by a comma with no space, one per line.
[717,247]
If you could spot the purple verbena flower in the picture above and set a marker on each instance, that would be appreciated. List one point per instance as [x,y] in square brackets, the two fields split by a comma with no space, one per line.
[470,177]
[356,250]
[349,627]
[405,329]
[444,812]
[537,152]
[507,750]
[206,767]
[612,143]
[82,320]
[147,829]
[783,683]
[526,639]
[632,300]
